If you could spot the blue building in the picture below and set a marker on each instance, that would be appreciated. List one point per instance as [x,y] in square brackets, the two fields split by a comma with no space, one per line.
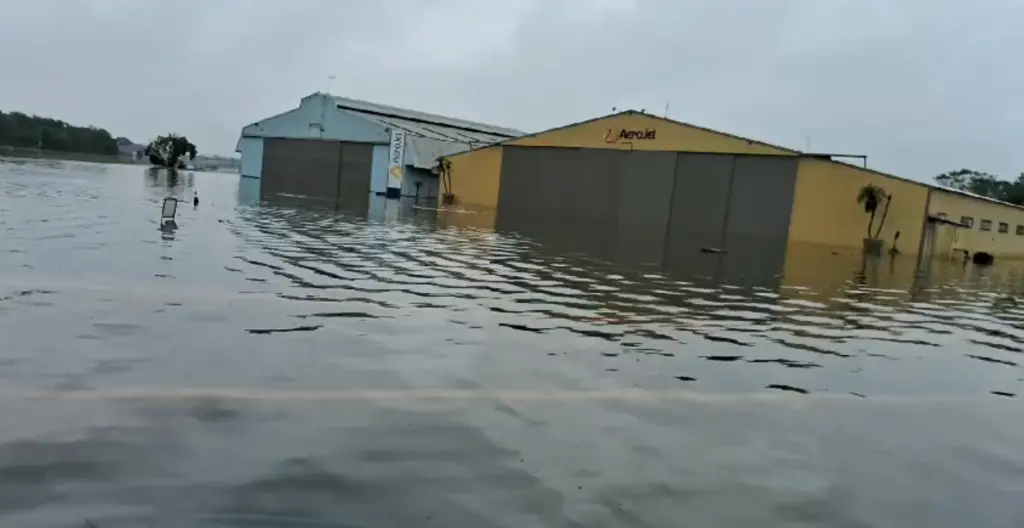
[336,148]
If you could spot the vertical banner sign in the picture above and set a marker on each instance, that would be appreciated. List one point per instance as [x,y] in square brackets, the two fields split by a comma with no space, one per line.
[396,159]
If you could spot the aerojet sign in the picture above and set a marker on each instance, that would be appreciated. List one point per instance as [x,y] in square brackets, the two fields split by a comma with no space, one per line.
[626,135]
[396,159]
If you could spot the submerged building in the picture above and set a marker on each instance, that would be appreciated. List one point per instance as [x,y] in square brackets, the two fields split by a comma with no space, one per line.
[335,148]
[632,172]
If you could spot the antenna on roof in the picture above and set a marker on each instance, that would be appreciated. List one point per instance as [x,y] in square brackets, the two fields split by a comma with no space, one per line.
[330,83]
[666,110]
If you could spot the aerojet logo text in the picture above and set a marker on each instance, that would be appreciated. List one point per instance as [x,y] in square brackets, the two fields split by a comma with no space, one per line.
[624,134]
[398,149]
[396,161]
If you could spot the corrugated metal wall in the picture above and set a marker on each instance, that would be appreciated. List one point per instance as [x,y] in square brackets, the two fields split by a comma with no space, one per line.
[324,170]
[355,171]
[379,169]
[645,199]
[655,206]
[560,185]
[760,204]
[252,156]
[700,198]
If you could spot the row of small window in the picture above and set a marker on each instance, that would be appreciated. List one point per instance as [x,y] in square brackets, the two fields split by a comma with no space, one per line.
[986,225]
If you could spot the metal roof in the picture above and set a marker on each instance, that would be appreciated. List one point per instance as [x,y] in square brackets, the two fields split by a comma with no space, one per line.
[422,153]
[969,194]
[426,125]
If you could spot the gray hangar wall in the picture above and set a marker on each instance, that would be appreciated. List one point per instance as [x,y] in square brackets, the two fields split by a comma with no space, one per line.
[337,171]
[654,206]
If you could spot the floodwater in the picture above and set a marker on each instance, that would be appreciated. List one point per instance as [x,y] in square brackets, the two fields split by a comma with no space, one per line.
[281,365]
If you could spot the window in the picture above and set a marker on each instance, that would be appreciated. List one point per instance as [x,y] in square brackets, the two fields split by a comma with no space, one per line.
[967,221]
[1004,227]
[986,225]
[1020,230]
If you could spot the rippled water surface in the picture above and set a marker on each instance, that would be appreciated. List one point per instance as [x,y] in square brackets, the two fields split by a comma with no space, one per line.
[291,365]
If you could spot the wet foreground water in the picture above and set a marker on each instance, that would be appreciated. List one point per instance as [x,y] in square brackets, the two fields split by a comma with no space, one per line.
[283,365]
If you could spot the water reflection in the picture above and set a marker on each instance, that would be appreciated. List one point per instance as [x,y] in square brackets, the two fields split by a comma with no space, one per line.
[392,364]
[248,192]
[645,247]
[167,230]
[171,182]
[640,296]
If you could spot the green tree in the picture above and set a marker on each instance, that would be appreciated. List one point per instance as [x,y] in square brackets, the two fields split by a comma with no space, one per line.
[22,130]
[984,184]
[958,179]
[167,151]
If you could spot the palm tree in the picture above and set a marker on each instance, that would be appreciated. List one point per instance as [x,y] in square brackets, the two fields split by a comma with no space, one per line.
[885,213]
[871,197]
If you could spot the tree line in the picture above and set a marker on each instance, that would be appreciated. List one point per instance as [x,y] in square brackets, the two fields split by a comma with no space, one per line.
[984,184]
[22,130]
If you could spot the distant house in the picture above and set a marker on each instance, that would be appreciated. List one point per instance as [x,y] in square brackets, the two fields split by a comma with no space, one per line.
[129,148]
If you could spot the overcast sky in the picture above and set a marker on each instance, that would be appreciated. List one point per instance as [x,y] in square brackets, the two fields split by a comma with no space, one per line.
[921,86]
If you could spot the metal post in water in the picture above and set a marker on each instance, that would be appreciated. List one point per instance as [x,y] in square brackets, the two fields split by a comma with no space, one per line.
[167,213]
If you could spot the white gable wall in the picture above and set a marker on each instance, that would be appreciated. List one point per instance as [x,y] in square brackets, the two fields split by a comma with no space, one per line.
[318,117]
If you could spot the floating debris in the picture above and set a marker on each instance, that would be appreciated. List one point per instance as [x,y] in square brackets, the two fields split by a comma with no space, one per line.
[788,388]
[265,331]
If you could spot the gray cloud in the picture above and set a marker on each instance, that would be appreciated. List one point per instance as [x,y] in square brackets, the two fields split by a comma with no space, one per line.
[919,86]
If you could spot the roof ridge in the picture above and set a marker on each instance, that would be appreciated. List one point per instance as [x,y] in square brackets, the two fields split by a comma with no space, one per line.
[362,105]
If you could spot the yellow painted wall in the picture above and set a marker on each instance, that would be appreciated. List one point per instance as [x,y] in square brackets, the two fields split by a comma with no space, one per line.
[476,177]
[668,135]
[956,206]
[825,208]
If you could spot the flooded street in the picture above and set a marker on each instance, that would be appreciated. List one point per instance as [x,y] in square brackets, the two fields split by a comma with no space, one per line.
[271,365]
